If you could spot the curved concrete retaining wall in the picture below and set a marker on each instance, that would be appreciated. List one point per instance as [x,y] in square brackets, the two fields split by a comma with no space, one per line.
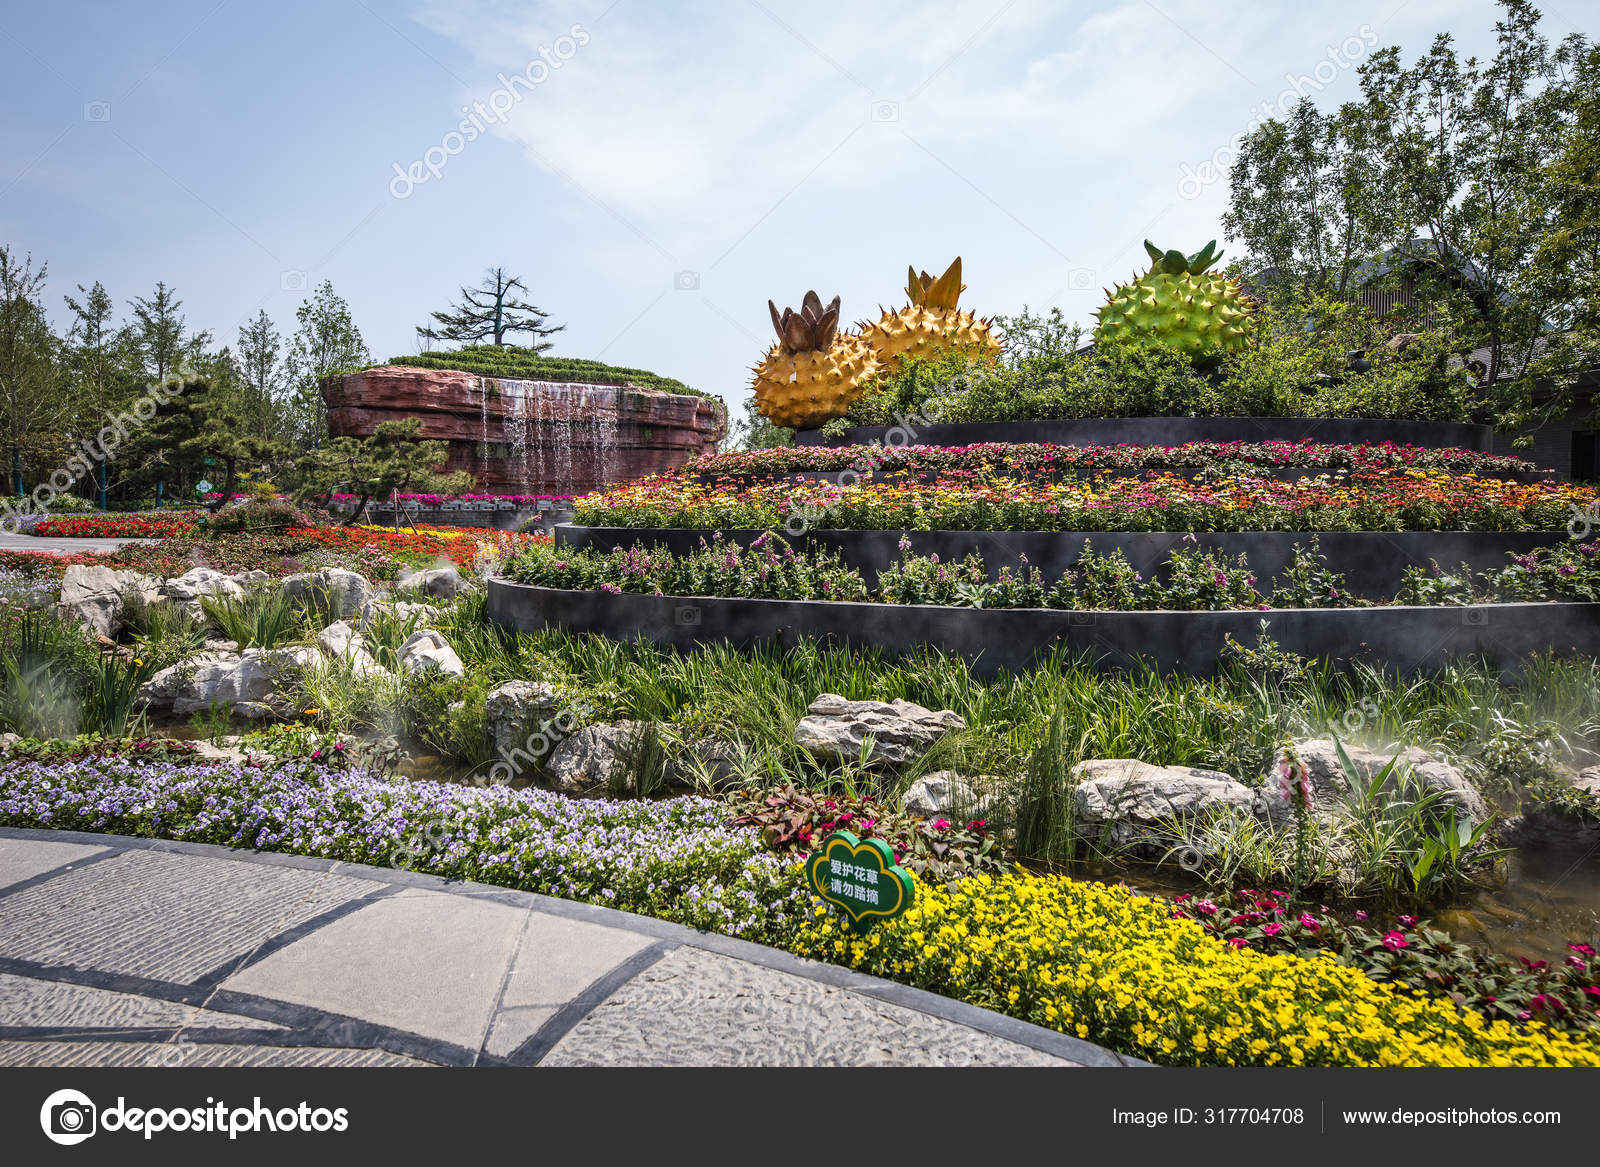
[1373,562]
[1402,639]
[1168,431]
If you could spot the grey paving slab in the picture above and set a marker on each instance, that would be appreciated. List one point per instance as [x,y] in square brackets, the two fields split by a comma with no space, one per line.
[556,960]
[698,1008]
[129,1053]
[22,859]
[61,545]
[26,1001]
[164,916]
[425,962]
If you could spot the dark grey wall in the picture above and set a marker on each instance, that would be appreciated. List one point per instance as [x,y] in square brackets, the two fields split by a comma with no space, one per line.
[1403,639]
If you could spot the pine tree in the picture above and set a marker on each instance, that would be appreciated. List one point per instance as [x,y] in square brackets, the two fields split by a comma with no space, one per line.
[261,373]
[392,459]
[160,333]
[31,400]
[489,312]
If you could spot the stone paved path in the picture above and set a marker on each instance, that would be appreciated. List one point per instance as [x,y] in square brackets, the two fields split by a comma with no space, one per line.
[118,951]
[57,545]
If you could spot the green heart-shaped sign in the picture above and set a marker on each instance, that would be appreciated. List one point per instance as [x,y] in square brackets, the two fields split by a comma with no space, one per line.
[861,879]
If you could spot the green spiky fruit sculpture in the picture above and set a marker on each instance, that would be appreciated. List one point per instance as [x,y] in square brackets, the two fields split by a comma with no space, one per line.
[931,323]
[814,373]
[1182,304]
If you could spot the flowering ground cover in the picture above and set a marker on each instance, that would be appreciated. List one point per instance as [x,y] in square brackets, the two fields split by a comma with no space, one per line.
[1046,459]
[146,526]
[1100,962]
[1391,500]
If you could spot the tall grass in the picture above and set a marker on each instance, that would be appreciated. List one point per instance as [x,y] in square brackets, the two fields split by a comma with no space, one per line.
[261,618]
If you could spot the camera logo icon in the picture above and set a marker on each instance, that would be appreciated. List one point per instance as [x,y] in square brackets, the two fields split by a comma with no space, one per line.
[292,281]
[886,111]
[68,1117]
[686,281]
[1475,617]
[1081,619]
[687,616]
[97,111]
[1080,279]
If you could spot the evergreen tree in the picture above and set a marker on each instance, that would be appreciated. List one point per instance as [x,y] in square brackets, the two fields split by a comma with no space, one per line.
[392,459]
[489,312]
[161,336]
[326,342]
[261,373]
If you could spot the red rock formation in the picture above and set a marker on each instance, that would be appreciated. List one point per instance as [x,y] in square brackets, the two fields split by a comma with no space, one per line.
[531,437]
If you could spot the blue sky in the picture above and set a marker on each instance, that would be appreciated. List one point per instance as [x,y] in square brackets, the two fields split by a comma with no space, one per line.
[655,171]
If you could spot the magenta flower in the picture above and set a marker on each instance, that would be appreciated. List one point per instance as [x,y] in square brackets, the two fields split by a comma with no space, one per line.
[1394,941]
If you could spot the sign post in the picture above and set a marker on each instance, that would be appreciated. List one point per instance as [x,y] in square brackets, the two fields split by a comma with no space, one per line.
[861,879]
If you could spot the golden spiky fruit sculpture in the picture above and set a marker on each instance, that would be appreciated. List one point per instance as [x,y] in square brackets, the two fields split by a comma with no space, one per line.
[814,373]
[1182,304]
[931,323]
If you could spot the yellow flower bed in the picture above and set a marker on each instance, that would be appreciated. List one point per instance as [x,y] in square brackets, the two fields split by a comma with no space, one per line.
[1114,967]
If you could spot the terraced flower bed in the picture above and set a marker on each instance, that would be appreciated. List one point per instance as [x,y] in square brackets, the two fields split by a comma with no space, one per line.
[1390,500]
[1034,460]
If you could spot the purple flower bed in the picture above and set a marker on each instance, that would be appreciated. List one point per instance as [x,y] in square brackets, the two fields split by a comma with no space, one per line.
[675,859]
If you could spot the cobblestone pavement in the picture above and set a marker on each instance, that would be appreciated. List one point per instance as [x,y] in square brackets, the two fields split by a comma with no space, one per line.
[118,951]
[56,545]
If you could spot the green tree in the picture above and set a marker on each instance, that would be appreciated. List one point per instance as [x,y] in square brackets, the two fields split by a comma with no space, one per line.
[489,312]
[103,367]
[203,430]
[1469,171]
[326,342]
[31,400]
[261,373]
[392,459]
[160,335]
[754,432]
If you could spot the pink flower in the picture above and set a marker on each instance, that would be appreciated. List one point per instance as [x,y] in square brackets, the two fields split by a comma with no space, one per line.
[941,824]
[1394,941]
[1309,922]
[1273,929]
[1239,942]
[1408,921]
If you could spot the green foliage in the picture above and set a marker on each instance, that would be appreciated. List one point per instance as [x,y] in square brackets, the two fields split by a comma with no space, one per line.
[261,515]
[519,364]
[1295,367]
[793,821]
[1468,177]
[392,459]
[263,617]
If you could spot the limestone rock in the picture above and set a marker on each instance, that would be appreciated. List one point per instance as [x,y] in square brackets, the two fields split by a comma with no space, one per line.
[343,594]
[944,793]
[428,649]
[1127,802]
[901,730]
[587,759]
[92,595]
[442,583]
[188,589]
[516,712]
[1330,793]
